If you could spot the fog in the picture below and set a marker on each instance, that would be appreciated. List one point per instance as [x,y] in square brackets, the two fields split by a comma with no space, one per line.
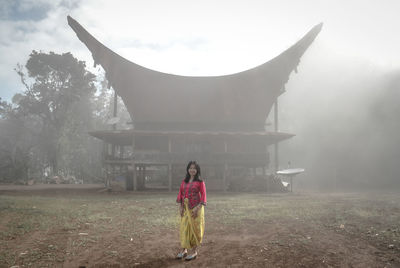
[344,112]
[342,105]
[96,133]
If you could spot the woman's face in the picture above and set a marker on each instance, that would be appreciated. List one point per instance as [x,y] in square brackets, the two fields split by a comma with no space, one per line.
[192,170]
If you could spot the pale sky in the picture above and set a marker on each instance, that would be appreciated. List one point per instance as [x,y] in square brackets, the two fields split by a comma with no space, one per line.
[205,37]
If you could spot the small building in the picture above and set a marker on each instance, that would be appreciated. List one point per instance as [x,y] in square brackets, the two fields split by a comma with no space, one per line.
[218,121]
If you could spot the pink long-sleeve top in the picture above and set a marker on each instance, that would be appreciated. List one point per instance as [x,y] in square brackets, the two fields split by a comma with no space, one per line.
[194,191]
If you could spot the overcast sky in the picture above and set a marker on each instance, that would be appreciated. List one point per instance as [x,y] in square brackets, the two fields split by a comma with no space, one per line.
[205,37]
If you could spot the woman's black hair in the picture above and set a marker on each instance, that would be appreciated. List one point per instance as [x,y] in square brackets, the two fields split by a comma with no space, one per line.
[197,177]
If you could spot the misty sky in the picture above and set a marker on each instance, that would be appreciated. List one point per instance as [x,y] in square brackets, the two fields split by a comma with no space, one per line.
[201,37]
[329,103]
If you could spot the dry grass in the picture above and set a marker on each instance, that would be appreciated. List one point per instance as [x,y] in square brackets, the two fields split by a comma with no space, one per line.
[81,222]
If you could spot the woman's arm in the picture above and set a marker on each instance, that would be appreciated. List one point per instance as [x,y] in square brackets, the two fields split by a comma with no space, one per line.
[203,199]
[196,209]
[203,194]
[179,198]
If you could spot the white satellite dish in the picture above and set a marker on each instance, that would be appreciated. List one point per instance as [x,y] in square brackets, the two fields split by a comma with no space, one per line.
[291,171]
[113,120]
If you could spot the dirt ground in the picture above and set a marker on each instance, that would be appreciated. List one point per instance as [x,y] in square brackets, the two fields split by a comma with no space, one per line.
[83,226]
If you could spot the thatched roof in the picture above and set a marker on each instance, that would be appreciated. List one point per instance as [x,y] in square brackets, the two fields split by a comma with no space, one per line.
[156,100]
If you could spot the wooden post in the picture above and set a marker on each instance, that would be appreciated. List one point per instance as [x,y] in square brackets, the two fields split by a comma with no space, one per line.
[121,156]
[109,168]
[121,151]
[144,177]
[142,174]
[113,158]
[276,127]
[291,184]
[114,126]
[139,176]
[134,164]
[265,168]
[225,169]
[169,165]
[108,183]
[104,159]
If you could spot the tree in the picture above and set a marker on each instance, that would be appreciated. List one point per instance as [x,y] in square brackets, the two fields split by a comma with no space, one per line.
[60,85]
[104,107]
[17,138]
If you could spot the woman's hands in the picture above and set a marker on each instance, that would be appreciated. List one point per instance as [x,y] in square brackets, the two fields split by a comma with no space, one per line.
[195,210]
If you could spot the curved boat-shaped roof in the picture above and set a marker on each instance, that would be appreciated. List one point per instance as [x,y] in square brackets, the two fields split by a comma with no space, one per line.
[157,100]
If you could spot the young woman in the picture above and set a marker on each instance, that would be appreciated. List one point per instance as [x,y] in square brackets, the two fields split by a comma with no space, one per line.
[192,199]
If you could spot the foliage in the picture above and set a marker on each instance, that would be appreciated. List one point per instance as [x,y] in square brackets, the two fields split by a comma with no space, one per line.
[103,106]
[17,138]
[52,115]
[60,83]
[44,130]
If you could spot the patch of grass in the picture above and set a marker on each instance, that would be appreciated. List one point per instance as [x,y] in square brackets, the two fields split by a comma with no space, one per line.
[83,221]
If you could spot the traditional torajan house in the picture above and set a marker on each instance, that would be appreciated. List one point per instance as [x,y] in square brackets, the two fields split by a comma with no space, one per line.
[218,121]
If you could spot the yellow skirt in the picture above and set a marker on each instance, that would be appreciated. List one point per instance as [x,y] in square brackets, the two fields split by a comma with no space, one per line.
[191,229]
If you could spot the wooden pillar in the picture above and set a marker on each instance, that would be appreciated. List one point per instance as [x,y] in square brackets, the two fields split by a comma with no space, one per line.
[170,164]
[225,169]
[121,151]
[108,182]
[138,176]
[276,127]
[266,167]
[121,156]
[291,184]
[141,177]
[113,158]
[104,159]
[134,177]
[114,126]
[109,167]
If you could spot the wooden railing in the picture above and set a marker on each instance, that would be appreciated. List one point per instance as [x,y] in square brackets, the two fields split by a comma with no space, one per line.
[203,158]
